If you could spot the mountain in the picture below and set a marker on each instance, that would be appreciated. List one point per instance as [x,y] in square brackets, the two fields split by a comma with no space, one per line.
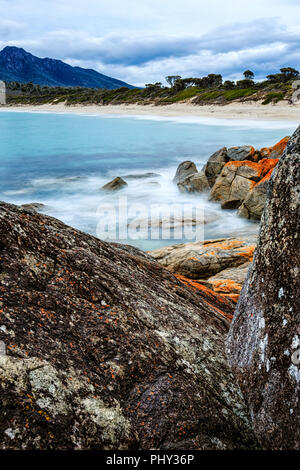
[17,65]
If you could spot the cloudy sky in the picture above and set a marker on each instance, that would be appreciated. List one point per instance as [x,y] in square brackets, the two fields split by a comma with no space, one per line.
[142,41]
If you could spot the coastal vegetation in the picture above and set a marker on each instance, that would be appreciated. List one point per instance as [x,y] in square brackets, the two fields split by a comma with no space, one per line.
[210,89]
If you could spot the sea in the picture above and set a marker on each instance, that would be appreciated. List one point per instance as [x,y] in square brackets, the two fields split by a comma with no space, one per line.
[62,160]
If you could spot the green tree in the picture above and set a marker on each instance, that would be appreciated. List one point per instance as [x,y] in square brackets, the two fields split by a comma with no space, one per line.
[170,79]
[248,74]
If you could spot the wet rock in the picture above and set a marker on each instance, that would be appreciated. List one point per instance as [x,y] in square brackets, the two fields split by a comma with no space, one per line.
[106,349]
[115,185]
[33,206]
[141,176]
[215,165]
[264,341]
[184,170]
[197,183]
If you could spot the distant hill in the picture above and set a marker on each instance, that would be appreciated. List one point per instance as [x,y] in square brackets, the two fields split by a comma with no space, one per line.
[17,65]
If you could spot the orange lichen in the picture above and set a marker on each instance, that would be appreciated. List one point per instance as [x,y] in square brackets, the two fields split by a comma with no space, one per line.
[225,245]
[210,295]
[277,150]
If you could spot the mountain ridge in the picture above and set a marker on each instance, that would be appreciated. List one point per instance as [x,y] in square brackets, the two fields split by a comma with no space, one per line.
[18,65]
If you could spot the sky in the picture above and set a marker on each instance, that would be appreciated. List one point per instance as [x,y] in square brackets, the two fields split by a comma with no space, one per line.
[143,41]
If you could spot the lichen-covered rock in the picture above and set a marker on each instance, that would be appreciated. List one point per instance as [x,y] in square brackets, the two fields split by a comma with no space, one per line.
[276,151]
[197,183]
[106,349]
[115,185]
[254,203]
[201,260]
[264,341]
[229,282]
[237,180]
[184,170]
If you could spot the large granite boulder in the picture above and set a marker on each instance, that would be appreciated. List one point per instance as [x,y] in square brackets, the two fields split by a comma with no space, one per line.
[253,205]
[105,349]
[184,170]
[237,179]
[263,345]
[214,165]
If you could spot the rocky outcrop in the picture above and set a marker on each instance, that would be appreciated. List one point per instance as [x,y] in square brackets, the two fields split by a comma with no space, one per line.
[237,180]
[238,177]
[105,349]
[184,170]
[263,345]
[115,185]
[201,260]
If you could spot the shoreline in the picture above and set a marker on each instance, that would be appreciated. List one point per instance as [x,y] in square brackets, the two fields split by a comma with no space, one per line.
[236,111]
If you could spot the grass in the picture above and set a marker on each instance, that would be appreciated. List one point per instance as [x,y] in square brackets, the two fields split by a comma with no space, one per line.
[183,95]
[242,93]
[273,97]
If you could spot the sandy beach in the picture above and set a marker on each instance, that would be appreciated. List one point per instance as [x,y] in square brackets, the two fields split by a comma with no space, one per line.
[244,111]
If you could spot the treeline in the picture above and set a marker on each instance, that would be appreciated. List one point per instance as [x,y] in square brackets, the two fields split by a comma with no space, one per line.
[202,90]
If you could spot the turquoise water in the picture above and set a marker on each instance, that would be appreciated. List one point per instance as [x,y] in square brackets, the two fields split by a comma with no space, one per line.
[62,160]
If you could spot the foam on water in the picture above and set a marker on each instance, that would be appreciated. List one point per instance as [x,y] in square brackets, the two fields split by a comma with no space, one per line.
[62,161]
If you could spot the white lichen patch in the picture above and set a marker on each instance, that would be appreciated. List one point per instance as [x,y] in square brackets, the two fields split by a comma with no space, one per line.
[109,419]
[262,346]
[281,293]
[294,372]
[295,342]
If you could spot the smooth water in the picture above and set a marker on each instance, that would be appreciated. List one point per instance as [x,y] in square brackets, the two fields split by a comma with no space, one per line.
[62,160]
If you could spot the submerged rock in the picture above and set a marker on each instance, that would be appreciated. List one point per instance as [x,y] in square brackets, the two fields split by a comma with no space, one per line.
[115,184]
[33,206]
[141,176]
[184,170]
[264,341]
[106,349]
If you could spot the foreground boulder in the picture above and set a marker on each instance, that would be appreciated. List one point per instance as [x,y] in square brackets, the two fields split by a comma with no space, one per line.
[115,185]
[105,349]
[264,341]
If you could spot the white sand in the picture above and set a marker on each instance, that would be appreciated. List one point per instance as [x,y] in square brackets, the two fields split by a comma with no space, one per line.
[248,111]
